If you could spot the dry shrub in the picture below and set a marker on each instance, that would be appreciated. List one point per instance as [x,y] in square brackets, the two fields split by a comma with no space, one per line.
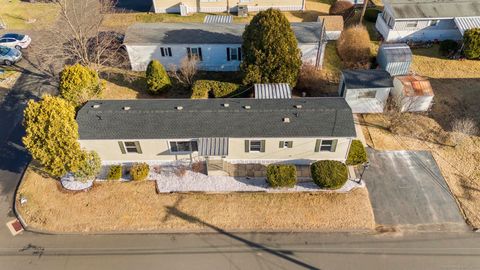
[180,171]
[462,128]
[198,167]
[316,82]
[353,47]
[341,8]
[185,73]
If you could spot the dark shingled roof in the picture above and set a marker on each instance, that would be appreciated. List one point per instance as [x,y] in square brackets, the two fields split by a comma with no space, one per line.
[211,33]
[403,9]
[160,119]
[371,78]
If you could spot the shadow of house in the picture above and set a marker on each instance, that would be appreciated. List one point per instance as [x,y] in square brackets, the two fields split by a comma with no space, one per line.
[134,5]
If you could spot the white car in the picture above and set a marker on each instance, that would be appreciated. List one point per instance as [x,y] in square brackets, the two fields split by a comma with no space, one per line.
[17,41]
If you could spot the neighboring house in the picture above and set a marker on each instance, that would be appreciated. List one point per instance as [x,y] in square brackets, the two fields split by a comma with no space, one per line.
[333,26]
[412,93]
[236,130]
[366,91]
[192,6]
[395,58]
[217,46]
[427,20]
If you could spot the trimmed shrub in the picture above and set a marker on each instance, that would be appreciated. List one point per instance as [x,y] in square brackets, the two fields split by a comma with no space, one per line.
[448,46]
[471,40]
[203,88]
[357,154]
[139,171]
[78,84]
[371,14]
[281,175]
[157,78]
[89,166]
[353,47]
[115,172]
[329,174]
[341,8]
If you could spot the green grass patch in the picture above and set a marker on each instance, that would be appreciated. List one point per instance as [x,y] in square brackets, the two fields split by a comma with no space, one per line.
[23,15]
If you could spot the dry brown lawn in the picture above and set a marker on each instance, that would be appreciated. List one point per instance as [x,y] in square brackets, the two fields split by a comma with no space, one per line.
[135,206]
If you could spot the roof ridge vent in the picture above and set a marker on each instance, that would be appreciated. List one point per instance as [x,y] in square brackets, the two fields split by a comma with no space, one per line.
[179,108]
[96,106]
[298,106]
[247,107]
[226,105]
[126,108]
[286,120]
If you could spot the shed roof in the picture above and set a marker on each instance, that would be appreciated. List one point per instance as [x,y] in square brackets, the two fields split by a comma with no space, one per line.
[466,23]
[371,78]
[272,90]
[414,86]
[218,19]
[211,33]
[396,52]
[403,9]
[161,119]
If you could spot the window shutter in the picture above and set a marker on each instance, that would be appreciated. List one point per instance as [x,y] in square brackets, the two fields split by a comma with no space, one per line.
[247,146]
[139,149]
[333,148]
[317,145]
[189,53]
[200,54]
[290,144]
[228,54]
[122,147]
[280,145]
[162,51]
[262,146]
[239,54]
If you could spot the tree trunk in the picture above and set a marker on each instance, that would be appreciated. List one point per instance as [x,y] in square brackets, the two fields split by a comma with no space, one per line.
[364,8]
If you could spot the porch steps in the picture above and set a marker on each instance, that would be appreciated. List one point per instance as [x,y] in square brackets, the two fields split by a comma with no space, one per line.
[215,167]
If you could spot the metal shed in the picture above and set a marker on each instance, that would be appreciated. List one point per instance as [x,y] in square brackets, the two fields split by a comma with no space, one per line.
[413,93]
[273,91]
[218,19]
[395,58]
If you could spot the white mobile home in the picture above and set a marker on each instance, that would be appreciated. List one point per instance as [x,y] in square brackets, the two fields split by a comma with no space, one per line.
[427,20]
[217,46]
[366,91]
[243,130]
[412,93]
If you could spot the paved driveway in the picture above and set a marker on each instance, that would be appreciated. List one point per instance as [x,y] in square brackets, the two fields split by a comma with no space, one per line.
[407,188]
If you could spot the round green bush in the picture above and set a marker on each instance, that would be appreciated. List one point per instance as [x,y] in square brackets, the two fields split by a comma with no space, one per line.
[89,166]
[115,172]
[471,41]
[201,89]
[329,174]
[281,175]
[357,154]
[139,171]
[371,14]
[448,46]
[157,78]
[79,83]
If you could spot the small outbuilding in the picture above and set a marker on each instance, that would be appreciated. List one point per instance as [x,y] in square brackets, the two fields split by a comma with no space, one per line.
[395,58]
[366,91]
[413,93]
[272,91]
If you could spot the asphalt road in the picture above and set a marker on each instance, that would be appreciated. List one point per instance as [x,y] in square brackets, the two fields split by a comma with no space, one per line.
[221,250]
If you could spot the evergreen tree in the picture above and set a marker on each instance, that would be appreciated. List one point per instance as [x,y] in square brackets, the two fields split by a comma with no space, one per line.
[78,84]
[270,50]
[157,78]
[471,39]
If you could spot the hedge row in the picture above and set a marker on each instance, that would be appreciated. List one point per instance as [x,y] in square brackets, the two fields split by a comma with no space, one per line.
[202,88]
[281,175]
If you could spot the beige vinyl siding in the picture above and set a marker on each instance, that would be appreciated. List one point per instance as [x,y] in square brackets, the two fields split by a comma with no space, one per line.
[172,6]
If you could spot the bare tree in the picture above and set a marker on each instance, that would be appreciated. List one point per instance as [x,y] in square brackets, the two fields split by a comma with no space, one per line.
[80,32]
[462,128]
[185,74]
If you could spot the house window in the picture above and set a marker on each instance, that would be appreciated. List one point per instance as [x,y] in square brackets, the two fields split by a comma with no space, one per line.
[130,147]
[195,53]
[434,22]
[367,94]
[166,51]
[412,24]
[255,146]
[286,144]
[326,146]
[183,146]
[234,54]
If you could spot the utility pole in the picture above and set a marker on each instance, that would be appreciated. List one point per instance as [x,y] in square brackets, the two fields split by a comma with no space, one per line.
[364,8]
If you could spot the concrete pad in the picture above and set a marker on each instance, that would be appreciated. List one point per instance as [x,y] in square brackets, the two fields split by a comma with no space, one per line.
[407,188]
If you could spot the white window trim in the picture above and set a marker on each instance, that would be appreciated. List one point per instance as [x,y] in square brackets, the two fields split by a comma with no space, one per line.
[181,152]
[126,147]
[250,146]
[329,145]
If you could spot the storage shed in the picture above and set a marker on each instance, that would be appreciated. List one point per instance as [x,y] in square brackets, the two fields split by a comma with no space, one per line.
[395,58]
[272,91]
[366,91]
[413,93]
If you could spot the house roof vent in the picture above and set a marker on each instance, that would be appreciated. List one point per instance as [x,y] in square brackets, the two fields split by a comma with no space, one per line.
[179,108]
[226,105]
[96,106]
[247,107]
[298,106]
[286,120]
[126,108]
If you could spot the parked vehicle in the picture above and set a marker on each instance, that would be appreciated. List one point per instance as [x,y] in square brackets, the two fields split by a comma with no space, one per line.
[9,56]
[17,41]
